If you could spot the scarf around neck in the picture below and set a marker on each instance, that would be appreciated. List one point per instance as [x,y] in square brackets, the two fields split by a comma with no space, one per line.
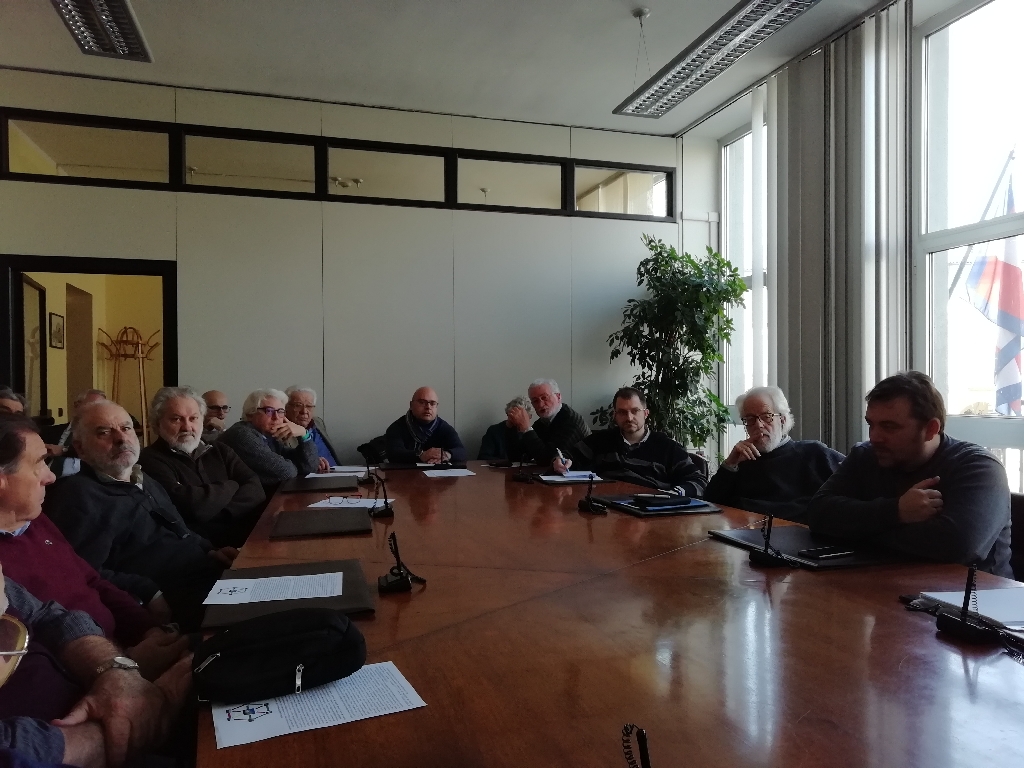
[420,432]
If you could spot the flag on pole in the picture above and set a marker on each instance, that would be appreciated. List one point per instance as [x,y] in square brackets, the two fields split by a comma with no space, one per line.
[996,289]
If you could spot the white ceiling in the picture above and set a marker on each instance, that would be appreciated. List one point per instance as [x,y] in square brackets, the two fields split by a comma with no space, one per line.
[566,62]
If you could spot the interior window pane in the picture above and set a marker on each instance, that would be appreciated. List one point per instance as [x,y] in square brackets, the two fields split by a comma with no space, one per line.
[523,185]
[214,162]
[359,173]
[54,149]
[974,118]
[606,190]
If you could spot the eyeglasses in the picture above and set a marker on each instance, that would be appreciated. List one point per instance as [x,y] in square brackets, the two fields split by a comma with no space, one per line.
[219,408]
[765,418]
[13,645]
[426,403]
[302,407]
[271,411]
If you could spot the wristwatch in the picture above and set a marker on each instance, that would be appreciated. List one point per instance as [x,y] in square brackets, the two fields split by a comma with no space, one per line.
[118,662]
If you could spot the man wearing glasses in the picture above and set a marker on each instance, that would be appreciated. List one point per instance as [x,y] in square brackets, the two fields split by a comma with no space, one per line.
[301,409]
[217,409]
[423,436]
[273,447]
[769,472]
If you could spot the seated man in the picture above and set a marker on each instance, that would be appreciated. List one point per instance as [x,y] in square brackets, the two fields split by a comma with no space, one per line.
[217,409]
[558,427]
[75,699]
[273,447]
[218,496]
[501,440]
[630,451]
[37,556]
[423,436]
[122,523]
[768,472]
[66,461]
[915,489]
[301,408]
[11,401]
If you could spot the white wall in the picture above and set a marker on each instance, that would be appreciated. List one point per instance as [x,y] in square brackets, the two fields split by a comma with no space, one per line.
[362,302]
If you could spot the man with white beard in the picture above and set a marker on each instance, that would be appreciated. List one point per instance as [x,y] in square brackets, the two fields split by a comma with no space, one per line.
[124,525]
[768,472]
[218,496]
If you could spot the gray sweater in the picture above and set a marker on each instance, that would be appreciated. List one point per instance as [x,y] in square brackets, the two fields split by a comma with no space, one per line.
[268,457]
[860,502]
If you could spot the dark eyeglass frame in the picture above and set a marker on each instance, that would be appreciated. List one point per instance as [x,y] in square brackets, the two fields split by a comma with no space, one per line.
[269,412]
[426,403]
[765,418]
[219,408]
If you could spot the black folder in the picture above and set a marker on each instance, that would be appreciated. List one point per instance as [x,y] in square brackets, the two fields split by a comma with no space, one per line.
[355,594]
[679,505]
[317,484]
[321,521]
[790,539]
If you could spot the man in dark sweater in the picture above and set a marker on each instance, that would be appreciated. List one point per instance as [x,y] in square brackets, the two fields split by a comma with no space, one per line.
[502,440]
[218,496]
[123,524]
[914,489]
[273,447]
[558,427]
[768,472]
[632,452]
[423,436]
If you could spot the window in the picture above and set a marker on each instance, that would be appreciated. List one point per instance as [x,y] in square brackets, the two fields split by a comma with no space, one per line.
[519,185]
[57,149]
[361,173]
[635,193]
[216,162]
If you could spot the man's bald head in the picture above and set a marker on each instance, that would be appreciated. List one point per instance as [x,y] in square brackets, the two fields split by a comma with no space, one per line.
[105,438]
[424,404]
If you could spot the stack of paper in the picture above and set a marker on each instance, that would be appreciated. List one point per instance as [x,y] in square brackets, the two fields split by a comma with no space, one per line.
[353,502]
[1004,607]
[448,473]
[572,476]
[238,591]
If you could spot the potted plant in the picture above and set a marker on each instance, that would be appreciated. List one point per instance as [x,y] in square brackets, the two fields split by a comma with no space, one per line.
[675,337]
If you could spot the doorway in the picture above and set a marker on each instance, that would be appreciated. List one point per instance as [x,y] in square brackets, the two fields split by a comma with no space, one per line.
[78,336]
[34,334]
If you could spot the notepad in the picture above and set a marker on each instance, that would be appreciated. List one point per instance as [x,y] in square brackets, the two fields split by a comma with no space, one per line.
[373,691]
[1001,606]
[448,473]
[571,477]
[239,591]
[349,468]
[350,502]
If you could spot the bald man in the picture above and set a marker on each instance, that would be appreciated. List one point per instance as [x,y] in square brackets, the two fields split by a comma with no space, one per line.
[217,408]
[423,436]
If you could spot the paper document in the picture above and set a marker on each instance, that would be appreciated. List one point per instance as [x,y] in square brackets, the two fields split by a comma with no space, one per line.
[1003,606]
[448,473]
[359,473]
[346,468]
[238,591]
[375,690]
[570,477]
[350,502]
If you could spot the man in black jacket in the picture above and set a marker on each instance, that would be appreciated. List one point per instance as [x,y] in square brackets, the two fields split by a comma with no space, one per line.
[423,436]
[218,496]
[558,427]
[123,524]
[914,489]
[768,472]
[630,451]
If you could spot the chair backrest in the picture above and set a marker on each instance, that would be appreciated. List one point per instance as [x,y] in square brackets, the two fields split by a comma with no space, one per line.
[1017,535]
[374,451]
[701,462]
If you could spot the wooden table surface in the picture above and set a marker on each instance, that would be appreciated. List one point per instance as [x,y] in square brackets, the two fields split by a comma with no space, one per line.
[542,630]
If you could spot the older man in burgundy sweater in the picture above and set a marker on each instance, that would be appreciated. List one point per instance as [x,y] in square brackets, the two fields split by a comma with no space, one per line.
[36,555]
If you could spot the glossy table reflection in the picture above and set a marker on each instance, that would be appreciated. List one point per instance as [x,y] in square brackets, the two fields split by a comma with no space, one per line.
[542,630]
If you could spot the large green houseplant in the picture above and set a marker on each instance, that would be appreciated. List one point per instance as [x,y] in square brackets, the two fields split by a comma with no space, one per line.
[674,336]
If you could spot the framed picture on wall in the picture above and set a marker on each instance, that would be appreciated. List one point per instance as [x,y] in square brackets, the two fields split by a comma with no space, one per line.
[56,331]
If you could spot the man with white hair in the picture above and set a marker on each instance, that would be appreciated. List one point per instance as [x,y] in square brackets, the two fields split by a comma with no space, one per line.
[216,493]
[272,446]
[558,427]
[121,521]
[769,472]
[301,409]
[501,440]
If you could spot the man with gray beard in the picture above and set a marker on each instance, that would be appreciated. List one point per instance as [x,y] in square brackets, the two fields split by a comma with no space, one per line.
[218,496]
[123,524]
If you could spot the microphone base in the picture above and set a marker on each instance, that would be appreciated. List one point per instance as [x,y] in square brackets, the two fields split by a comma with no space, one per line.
[763,559]
[386,511]
[368,480]
[522,478]
[588,505]
[968,630]
[389,584]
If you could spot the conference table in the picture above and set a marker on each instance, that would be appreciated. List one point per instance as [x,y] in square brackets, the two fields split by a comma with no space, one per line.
[542,630]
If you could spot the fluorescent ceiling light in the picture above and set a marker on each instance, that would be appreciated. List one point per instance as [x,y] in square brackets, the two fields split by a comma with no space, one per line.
[104,28]
[744,27]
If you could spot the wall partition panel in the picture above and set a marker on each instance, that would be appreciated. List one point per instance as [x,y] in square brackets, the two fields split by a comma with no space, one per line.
[512,313]
[250,310]
[388,316]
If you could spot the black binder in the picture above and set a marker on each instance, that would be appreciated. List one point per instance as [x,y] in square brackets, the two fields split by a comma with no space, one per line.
[355,594]
[678,505]
[790,539]
[321,521]
[317,484]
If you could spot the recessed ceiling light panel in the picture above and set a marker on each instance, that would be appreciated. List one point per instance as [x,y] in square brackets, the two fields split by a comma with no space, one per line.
[739,31]
[104,28]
